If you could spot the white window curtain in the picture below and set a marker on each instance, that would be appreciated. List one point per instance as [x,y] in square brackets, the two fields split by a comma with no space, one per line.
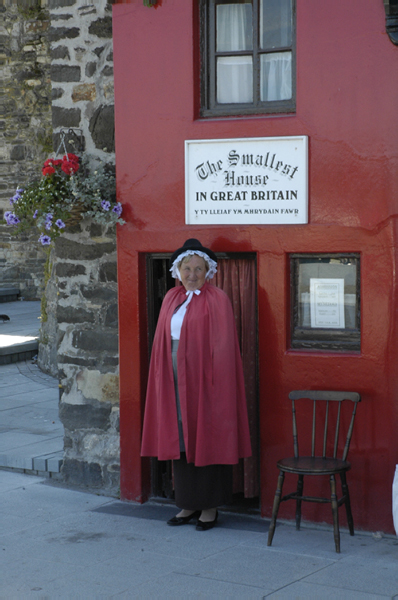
[276,76]
[234,79]
[234,27]
[234,73]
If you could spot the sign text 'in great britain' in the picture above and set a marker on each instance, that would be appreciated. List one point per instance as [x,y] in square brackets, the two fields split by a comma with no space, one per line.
[258,181]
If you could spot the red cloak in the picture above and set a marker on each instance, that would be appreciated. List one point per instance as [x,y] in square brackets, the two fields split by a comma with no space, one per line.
[210,384]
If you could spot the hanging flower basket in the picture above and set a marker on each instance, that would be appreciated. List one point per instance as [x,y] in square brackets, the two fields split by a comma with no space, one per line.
[70,189]
[75,215]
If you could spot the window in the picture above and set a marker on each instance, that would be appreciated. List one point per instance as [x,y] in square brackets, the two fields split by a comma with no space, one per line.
[325,302]
[248,58]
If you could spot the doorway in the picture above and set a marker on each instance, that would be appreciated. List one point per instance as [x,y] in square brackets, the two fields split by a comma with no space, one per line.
[236,276]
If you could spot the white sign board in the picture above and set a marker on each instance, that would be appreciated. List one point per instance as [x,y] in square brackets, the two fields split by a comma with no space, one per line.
[257,181]
[327,303]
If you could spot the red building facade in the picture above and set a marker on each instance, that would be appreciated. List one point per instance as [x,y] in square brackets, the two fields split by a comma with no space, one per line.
[345,98]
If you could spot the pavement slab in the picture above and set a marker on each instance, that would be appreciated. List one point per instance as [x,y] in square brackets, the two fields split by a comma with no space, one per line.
[57,542]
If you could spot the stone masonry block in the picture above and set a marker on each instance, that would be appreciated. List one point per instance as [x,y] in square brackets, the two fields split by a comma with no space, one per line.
[70,314]
[103,387]
[60,3]
[98,293]
[94,341]
[112,316]
[60,73]
[82,473]
[73,251]
[65,117]
[18,152]
[85,416]
[91,68]
[60,33]
[101,27]
[56,93]
[60,52]
[64,359]
[107,71]
[69,270]
[102,128]
[84,91]
[108,272]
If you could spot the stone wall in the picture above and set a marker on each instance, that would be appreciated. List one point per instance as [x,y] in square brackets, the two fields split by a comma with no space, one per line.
[25,122]
[82,304]
[25,134]
[58,70]
[56,67]
[82,73]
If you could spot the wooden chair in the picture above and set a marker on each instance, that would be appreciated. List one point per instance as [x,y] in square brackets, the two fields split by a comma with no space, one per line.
[319,464]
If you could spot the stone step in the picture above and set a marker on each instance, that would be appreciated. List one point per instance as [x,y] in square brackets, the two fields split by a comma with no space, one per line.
[19,352]
[44,465]
[9,294]
[19,335]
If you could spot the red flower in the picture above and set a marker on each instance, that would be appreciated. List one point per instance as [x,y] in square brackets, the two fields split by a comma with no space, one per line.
[57,163]
[72,157]
[69,167]
[49,162]
[49,170]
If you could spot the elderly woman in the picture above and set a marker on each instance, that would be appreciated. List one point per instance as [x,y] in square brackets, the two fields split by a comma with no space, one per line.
[195,411]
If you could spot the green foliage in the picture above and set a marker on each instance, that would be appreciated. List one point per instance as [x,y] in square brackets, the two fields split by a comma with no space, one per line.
[47,274]
[32,9]
[45,140]
[68,190]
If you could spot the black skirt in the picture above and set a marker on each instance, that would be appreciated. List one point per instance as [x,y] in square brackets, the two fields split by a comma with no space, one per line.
[200,488]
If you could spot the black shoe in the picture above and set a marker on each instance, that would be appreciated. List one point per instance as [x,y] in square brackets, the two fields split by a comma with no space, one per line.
[184,520]
[205,525]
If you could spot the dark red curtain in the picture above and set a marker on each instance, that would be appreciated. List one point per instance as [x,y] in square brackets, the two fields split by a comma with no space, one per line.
[237,277]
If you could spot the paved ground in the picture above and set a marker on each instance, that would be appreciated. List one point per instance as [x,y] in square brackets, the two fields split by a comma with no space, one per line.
[24,322]
[31,434]
[57,542]
[60,543]
[19,330]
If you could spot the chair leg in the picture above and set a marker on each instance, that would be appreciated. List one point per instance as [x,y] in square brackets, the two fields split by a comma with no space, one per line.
[275,508]
[347,503]
[335,512]
[300,486]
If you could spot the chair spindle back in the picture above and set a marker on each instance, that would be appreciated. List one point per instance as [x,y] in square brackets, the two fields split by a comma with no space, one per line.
[324,397]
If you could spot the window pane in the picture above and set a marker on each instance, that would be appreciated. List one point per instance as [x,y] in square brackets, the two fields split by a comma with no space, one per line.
[275,23]
[276,76]
[234,79]
[234,27]
[326,302]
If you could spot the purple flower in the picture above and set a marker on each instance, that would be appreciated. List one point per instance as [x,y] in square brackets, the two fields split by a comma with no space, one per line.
[10,218]
[48,225]
[105,204]
[35,213]
[60,224]
[117,209]
[45,239]
[16,196]
[49,217]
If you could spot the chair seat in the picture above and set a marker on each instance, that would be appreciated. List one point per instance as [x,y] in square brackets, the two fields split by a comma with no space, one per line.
[309,465]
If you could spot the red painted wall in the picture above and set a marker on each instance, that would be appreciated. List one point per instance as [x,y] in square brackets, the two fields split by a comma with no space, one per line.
[347,98]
